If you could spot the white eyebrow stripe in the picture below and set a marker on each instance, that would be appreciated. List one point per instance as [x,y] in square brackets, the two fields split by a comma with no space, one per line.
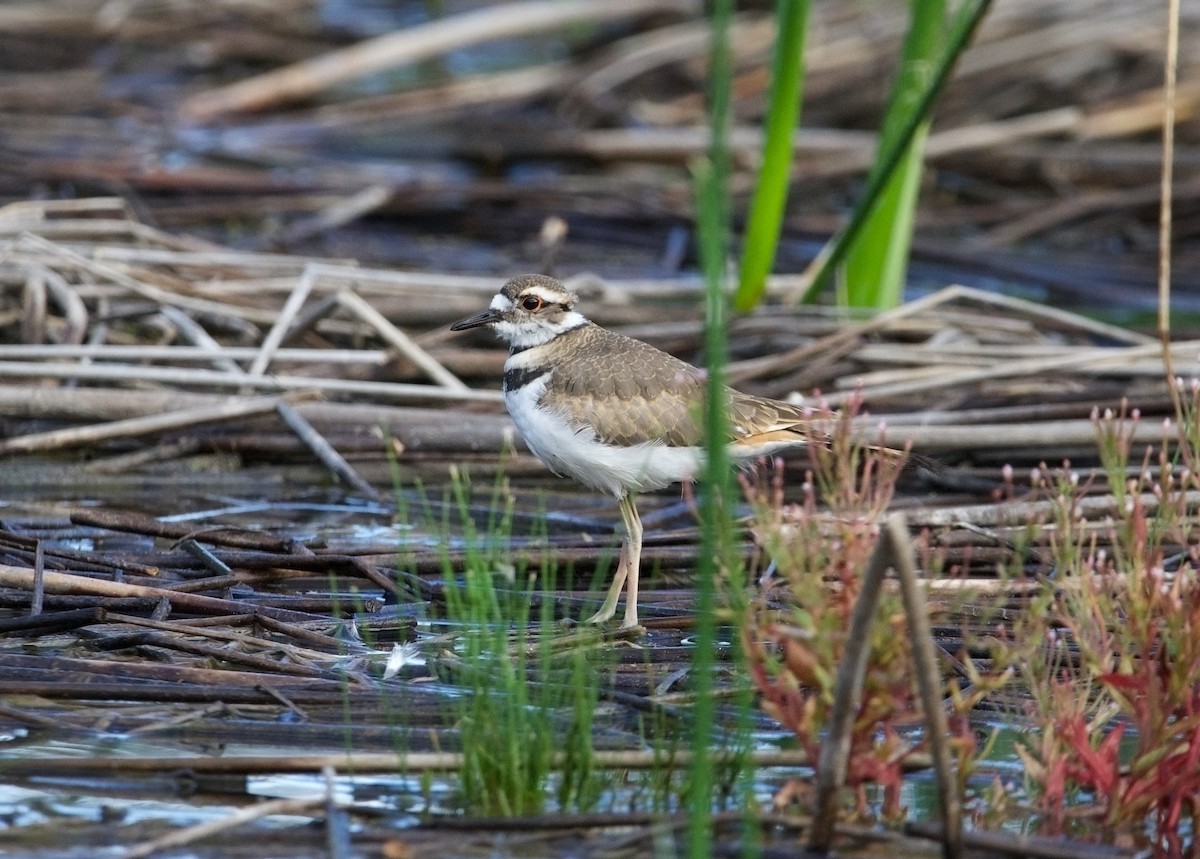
[547,296]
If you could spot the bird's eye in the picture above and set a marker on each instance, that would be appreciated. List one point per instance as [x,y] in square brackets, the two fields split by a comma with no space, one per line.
[531,302]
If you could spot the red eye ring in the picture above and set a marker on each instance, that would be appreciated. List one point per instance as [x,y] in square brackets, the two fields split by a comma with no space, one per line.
[531,302]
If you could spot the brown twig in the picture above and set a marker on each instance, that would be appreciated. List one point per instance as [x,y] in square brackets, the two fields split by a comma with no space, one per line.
[307,78]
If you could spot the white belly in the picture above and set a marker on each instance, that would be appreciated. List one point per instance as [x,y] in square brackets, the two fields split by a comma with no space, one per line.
[576,453]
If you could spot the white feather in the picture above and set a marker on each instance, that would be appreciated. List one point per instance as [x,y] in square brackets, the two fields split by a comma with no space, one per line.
[575,451]
[534,332]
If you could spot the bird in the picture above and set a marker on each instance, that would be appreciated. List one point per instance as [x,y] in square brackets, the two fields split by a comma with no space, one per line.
[614,413]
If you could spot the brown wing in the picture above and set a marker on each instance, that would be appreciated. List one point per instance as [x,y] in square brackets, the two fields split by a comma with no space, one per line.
[631,392]
[759,421]
[627,390]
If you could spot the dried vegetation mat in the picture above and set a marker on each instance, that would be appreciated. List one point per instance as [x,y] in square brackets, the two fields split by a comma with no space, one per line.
[160,395]
[242,485]
[445,143]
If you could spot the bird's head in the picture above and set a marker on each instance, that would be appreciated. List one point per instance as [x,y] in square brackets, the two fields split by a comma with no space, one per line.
[529,310]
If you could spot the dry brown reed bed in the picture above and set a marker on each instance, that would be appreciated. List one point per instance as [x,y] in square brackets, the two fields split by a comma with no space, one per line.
[138,353]
[284,128]
[133,355]
[133,336]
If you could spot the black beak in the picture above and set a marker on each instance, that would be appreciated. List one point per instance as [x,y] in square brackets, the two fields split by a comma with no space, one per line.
[486,318]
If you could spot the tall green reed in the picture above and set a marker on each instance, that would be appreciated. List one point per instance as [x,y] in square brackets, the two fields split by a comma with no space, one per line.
[717,561]
[713,230]
[765,219]
[877,261]
[891,154]
[875,242]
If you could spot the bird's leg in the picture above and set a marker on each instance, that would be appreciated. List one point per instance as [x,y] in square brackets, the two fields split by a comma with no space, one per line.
[626,574]
[688,494]
[633,557]
[609,607]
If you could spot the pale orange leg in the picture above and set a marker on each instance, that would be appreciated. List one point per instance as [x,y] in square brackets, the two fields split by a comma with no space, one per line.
[626,574]
[609,607]
[633,541]
[688,494]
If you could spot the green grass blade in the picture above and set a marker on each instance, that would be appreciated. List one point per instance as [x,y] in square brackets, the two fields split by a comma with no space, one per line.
[834,252]
[713,232]
[770,193]
[877,260]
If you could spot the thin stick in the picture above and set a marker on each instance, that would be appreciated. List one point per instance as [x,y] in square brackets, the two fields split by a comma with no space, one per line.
[290,308]
[41,209]
[359,307]
[53,621]
[76,436]
[324,451]
[309,77]
[150,293]
[1084,360]
[299,654]
[984,436]
[398,391]
[338,214]
[119,352]
[381,762]
[1074,208]
[1049,313]
[455,95]
[289,267]
[847,696]
[194,333]
[1023,512]
[189,834]
[1171,63]
[1024,845]
[39,579]
[70,303]
[33,306]
[843,338]
[286,265]
[168,528]
[65,583]
[929,683]
[414,427]
[337,822]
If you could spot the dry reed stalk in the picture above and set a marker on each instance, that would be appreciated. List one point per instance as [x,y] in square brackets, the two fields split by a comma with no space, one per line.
[1015,513]
[1081,360]
[283,320]
[134,427]
[400,341]
[366,763]
[121,373]
[64,583]
[306,79]
[204,351]
[337,214]
[324,451]
[190,834]
[229,636]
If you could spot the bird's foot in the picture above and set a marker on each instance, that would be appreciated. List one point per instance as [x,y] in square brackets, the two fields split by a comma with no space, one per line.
[604,615]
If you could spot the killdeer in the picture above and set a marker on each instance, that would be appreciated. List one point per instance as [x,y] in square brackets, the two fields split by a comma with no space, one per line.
[614,413]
